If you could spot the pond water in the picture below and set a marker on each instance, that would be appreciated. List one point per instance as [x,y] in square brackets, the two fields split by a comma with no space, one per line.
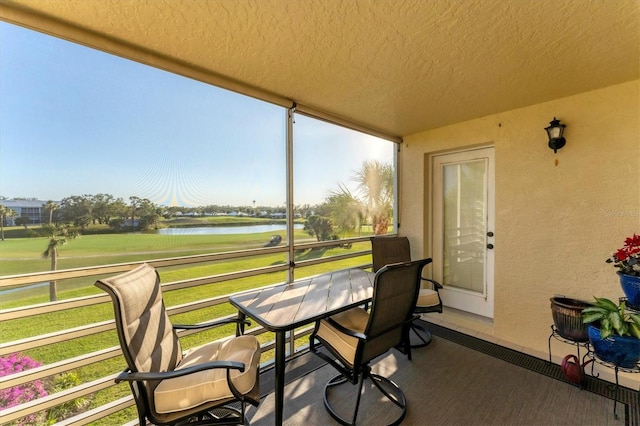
[13,290]
[226,230]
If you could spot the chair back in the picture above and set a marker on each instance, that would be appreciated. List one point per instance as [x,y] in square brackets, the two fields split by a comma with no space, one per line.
[388,250]
[395,293]
[147,337]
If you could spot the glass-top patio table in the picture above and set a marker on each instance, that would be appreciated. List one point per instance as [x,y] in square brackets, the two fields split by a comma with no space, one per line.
[282,308]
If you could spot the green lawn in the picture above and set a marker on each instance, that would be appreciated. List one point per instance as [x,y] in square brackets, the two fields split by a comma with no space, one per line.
[23,255]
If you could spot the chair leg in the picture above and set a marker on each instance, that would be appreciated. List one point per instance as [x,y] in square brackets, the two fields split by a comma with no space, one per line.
[394,394]
[355,412]
[336,381]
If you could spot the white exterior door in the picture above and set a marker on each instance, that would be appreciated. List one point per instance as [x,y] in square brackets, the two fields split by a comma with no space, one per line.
[463,228]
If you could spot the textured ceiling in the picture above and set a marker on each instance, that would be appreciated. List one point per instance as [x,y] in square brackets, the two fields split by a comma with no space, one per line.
[396,66]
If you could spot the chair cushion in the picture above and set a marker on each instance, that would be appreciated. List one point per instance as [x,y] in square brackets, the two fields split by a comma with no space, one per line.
[353,319]
[189,391]
[427,297]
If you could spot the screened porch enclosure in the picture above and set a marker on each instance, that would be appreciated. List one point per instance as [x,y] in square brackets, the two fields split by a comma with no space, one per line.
[292,104]
[190,157]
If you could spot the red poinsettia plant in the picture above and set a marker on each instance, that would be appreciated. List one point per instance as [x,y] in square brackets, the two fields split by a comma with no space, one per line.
[627,258]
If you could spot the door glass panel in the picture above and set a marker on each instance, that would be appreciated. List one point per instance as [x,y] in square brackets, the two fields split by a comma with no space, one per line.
[464,224]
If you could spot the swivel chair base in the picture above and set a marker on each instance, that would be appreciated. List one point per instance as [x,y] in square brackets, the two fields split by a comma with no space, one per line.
[419,335]
[227,415]
[388,388]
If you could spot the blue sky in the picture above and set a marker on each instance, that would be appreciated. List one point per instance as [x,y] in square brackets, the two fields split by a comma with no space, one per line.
[78,121]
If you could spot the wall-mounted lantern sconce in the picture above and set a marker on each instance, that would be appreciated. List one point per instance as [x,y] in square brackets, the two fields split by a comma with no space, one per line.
[555,132]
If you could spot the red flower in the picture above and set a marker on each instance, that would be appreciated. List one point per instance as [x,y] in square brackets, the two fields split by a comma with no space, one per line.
[621,254]
[633,241]
[627,258]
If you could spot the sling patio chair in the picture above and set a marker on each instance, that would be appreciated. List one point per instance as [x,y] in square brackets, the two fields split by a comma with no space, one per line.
[352,339]
[387,250]
[210,384]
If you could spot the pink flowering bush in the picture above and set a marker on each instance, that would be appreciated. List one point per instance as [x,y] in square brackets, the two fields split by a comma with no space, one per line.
[26,392]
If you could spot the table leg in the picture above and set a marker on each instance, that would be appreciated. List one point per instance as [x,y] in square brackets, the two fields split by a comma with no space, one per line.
[279,382]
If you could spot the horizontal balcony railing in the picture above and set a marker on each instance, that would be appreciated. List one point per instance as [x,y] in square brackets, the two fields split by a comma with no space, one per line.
[97,366]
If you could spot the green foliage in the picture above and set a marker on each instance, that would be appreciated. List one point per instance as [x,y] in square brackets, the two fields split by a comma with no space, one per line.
[320,227]
[30,233]
[613,318]
[22,221]
[22,255]
[347,212]
[373,201]
[5,212]
[70,408]
[116,223]
[375,185]
[58,235]
[104,249]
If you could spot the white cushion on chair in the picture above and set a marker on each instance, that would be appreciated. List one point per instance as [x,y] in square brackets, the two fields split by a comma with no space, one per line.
[354,319]
[427,297]
[189,391]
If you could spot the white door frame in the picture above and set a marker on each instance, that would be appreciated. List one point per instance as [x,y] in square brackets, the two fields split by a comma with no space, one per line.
[478,302]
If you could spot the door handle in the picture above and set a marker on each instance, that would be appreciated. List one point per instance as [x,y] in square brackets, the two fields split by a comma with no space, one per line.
[490,246]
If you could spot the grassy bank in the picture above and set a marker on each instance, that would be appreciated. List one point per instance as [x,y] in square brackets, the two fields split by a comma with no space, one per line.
[23,255]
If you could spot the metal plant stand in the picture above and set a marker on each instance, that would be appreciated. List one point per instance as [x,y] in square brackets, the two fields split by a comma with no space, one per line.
[555,335]
[590,354]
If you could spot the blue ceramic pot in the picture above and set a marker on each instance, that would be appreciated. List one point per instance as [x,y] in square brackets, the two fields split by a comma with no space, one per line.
[622,351]
[631,287]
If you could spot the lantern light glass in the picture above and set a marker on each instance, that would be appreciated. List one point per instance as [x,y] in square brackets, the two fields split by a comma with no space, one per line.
[555,131]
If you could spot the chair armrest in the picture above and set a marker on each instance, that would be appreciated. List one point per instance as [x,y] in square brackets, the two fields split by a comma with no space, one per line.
[346,330]
[211,324]
[131,376]
[436,284]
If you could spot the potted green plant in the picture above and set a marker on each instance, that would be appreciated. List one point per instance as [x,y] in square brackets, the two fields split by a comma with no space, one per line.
[617,340]
[627,260]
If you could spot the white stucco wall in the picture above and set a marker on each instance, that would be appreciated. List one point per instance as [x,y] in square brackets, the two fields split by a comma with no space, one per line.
[555,224]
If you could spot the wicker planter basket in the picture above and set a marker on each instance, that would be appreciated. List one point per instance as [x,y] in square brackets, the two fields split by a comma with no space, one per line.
[567,317]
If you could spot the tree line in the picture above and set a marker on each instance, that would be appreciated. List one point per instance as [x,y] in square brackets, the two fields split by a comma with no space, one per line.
[342,212]
[139,213]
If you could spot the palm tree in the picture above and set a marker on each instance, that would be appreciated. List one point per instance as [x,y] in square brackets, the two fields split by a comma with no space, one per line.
[347,211]
[375,185]
[5,212]
[58,235]
[374,199]
[50,206]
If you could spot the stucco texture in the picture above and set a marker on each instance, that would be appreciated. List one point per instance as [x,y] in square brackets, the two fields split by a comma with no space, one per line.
[555,223]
